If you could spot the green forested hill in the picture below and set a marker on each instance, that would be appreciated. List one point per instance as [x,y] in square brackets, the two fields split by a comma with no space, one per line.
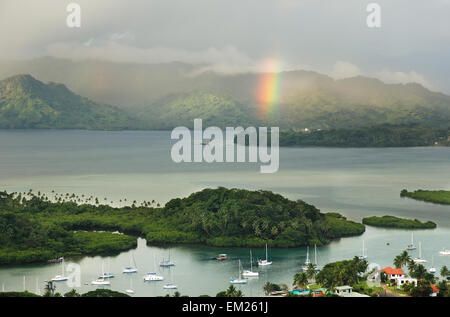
[182,109]
[25,102]
[33,228]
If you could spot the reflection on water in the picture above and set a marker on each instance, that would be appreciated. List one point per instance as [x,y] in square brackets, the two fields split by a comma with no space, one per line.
[137,166]
[196,272]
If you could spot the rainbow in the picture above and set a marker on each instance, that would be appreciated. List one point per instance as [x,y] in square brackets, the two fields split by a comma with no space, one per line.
[267,91]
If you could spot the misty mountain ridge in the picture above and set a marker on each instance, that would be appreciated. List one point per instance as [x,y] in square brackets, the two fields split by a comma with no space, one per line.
[26,102]
[173,94]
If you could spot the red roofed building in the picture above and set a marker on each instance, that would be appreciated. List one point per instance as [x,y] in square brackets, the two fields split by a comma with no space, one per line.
[435,290]
[393,274]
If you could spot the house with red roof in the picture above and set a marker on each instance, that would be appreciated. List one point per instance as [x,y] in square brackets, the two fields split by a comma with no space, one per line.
[393,274]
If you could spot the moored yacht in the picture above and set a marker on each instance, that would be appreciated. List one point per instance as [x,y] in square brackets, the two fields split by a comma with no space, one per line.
[411,246]
[238,280]
[266,261]
[419,259]
[250,273]
[60,278]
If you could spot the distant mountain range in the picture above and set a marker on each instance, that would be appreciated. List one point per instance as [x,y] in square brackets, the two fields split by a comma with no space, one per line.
[166,95]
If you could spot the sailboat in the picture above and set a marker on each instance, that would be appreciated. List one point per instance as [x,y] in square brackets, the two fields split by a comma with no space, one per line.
[419,259]
[170,285]
[101,280]
[152,276]
[316,263]
[307,262]
[432,268]
[166,262]
[130,290]
[363,256]
[238,280]
[266,261]
[60,278]
[107,274]
[250,273]
[131,269]
[411,246]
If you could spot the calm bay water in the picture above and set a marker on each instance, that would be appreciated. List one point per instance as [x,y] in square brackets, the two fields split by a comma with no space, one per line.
[137,166]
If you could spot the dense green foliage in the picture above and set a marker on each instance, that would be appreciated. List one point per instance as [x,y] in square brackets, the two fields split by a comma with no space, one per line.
[346,272]
[376,136]
[28,234]
[33,228]
[18,294]
[399,223]
[235,217]
[101,292]
[432,196]
[28,103]
[231,291]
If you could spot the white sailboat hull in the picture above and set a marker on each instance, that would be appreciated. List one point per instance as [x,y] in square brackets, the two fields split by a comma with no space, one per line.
[250,274]
[417,260]
[264,263]
[238,281]
[129,270]
[59,278]
[444,252]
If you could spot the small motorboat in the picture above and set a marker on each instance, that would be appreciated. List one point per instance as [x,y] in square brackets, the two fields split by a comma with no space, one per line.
[222,257]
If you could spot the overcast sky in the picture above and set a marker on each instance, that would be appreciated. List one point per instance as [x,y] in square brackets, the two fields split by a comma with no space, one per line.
[330,36]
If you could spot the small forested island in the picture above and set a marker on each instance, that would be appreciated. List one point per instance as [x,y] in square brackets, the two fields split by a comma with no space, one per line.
[34,228]
[385,135]
[399,223]
[433,196]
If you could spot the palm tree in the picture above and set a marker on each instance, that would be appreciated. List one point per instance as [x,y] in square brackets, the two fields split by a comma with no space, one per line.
[311,271]
[402,260]
[233,292]
[445,272]
[419,272]
[411,267]
[300,279]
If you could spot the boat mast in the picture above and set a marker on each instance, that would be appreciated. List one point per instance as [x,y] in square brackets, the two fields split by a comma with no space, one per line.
[267,258]
[251,261]
[315,254]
